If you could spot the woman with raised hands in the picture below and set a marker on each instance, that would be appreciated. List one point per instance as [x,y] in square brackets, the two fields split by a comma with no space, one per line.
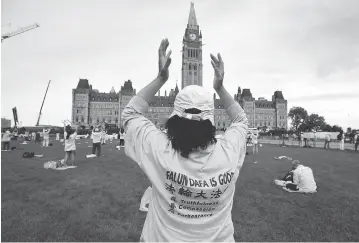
[193,174]
[70,143]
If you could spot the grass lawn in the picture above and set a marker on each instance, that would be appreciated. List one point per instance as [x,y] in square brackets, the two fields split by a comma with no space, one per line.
[99,200]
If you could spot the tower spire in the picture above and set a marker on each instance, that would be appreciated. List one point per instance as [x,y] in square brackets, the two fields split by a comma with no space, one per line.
[192,20]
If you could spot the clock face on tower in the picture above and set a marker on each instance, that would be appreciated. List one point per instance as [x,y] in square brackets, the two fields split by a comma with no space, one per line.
[192,36]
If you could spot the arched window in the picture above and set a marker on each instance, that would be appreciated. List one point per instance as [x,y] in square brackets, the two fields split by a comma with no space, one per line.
[189,66]
[195,67]
[189,53]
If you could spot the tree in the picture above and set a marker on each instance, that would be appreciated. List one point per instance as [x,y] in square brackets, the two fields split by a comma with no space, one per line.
[314,122]
[298,116]
[326,128]
[337,128]
[349,130]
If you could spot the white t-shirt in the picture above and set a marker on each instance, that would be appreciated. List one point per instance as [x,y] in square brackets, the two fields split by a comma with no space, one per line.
[46,134]
[191,198]
[70,144]
[96,137]
[254,139]
[6,137]
[303,177]
[122,135]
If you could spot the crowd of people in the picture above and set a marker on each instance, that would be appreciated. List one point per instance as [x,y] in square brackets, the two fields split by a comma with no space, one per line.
[309,142]
[98,135]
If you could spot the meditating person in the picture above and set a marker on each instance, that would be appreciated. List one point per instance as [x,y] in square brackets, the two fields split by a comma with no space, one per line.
[46,137]
[5,140]
[96,141]
[70,145]
[254,138]
[327,141]
[299,179]
[193,174]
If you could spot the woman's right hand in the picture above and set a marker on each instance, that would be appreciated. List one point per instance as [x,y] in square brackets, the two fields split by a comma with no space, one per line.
[218,67]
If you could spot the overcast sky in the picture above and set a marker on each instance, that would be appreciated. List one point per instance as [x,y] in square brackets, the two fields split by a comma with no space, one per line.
[307,49]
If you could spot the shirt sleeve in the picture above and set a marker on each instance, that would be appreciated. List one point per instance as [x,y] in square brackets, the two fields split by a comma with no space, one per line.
[142,139]
[235,136]
[237,131]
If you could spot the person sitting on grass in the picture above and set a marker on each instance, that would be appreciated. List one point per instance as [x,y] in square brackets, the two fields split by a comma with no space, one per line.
[299,179]
[193,174]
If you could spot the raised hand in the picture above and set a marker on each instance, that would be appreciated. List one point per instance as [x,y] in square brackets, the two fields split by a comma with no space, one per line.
[218,67]
[164,60]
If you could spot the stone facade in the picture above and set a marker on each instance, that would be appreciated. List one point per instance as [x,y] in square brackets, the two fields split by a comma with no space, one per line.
[90,107]
[108,107]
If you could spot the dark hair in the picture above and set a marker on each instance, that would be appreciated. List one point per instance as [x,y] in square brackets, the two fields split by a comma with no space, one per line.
[69,131]
[190,135]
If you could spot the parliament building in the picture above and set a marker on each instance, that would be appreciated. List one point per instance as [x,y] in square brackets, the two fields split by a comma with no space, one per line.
[91,107]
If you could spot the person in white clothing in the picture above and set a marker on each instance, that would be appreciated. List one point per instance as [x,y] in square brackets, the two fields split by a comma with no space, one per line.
[302,179]
[122,138]
[255,142]
[341,140]
[356,141]
[103,137]
[96,141]
[57,136]
[327,141]
[5,140]
[193,174]
[46,137]
[70,144]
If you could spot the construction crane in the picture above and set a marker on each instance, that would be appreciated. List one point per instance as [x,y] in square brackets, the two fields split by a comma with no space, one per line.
[38,120]
[19,31]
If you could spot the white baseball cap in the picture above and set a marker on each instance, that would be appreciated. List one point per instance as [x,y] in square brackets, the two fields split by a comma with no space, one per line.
[194,97]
